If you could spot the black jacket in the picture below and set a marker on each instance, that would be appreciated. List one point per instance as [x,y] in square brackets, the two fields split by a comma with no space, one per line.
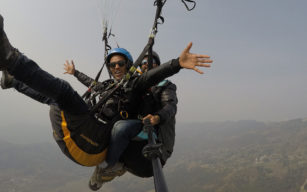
[161,99]
[128,99]
[166,99]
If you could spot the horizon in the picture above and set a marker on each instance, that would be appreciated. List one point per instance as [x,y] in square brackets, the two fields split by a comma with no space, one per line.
[24,137]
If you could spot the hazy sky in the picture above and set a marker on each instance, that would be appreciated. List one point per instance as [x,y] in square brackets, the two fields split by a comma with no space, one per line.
[258,48]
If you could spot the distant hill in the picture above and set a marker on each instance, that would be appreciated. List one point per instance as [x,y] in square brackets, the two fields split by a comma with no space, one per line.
[242,156]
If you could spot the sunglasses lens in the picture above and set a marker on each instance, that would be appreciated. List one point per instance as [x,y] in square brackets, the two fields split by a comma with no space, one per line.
[144,62]
[112,65]
[119,63]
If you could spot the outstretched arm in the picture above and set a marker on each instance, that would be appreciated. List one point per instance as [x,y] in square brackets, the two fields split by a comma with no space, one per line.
[186,60]
[69,68]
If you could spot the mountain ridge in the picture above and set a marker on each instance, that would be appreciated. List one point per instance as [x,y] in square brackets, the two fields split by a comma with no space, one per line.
[228,156]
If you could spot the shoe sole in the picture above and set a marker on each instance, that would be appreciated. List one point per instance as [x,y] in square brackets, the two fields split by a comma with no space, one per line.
[1,23]
[93,187]
[1,37]
[5,82]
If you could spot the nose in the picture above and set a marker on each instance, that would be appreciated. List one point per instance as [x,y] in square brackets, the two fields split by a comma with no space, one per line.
[117,66]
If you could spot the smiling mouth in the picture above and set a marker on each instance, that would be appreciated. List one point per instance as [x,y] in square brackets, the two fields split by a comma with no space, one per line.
[118,74]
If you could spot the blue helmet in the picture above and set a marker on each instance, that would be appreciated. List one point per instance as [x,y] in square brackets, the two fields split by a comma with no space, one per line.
[120,51]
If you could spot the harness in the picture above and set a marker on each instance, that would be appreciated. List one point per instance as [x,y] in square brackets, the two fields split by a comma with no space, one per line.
[147,49]
[152,150]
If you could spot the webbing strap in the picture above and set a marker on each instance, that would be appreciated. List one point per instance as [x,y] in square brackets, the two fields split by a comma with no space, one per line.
[132,70]
[147,49]
[150,43]
[107,47]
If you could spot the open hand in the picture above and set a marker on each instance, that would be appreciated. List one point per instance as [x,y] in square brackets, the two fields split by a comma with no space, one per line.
[192,61]
[69,67]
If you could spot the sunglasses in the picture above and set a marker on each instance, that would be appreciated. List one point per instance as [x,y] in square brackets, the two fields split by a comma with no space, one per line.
[119,63]
[145,62]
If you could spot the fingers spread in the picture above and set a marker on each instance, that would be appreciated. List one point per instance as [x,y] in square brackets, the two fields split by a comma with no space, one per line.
[187,49]
[197,70]
[203,65]
[205,60]
[202,56]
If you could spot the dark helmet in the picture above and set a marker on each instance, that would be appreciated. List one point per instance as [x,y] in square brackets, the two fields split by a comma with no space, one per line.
[120,51]
[155,56]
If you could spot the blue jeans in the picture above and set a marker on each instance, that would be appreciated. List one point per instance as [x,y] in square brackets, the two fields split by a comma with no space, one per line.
[123,131]
[41,82]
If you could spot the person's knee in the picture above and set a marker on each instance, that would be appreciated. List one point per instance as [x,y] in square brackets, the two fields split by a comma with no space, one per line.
[119,123]
[126,128]
[119,128]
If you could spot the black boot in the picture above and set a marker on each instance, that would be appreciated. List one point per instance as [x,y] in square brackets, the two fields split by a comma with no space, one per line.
[6,80]
[8,54]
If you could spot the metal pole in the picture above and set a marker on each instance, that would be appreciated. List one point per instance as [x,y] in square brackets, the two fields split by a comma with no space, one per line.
[152,151]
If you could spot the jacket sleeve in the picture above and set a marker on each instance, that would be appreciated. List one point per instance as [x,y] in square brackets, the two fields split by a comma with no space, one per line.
[154,76]
[84,79]
[168,102]
[87,81]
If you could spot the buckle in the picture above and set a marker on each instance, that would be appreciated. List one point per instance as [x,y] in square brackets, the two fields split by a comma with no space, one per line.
[124,114]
